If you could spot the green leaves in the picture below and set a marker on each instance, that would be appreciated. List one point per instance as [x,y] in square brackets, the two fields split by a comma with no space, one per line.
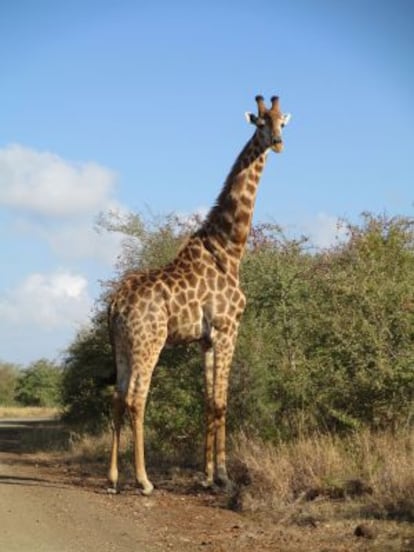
[326,342]
[341,320]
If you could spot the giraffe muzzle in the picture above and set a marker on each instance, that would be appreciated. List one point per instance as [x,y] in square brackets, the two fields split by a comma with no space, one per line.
[277,144]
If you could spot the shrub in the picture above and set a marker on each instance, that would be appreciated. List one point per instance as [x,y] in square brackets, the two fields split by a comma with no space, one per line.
[88,369]
[326,342]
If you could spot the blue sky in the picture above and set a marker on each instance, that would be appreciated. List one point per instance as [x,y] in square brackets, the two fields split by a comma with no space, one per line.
[136,105]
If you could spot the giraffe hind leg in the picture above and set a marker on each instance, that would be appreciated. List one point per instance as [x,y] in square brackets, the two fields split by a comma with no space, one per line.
[118,409]
[141,373]
[118,406]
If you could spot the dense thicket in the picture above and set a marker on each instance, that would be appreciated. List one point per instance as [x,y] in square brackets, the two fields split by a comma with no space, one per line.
[328,337]
[326,342]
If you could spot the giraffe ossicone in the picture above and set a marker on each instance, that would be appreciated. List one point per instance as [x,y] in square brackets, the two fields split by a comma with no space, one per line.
[196,297]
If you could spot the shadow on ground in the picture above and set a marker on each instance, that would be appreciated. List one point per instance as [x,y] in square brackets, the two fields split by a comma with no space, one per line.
[33,435]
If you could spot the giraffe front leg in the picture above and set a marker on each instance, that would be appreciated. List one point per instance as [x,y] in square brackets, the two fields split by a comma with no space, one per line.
[220,409]
[224,348]
[210,430]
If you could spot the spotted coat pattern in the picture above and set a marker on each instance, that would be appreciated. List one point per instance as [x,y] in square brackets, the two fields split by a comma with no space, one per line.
[196,297]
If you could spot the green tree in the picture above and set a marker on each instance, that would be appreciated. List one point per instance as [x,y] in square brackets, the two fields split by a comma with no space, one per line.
[39,384]
[8,380]
[363,336]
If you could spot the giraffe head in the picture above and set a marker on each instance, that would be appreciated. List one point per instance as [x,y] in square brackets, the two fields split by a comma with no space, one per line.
[269,123]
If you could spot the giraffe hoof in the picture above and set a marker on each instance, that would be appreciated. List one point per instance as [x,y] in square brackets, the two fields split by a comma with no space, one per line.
[206,483]
[146,489]
[225,484]
[112,490]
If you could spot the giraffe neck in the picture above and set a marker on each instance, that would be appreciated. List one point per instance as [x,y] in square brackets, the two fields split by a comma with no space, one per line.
[227,226]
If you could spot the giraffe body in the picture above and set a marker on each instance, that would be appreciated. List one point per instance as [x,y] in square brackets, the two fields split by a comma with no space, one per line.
[196,297]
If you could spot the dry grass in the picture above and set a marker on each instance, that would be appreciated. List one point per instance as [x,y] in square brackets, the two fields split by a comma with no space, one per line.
[366,474]
[89,448]
[28,412]
[373,469]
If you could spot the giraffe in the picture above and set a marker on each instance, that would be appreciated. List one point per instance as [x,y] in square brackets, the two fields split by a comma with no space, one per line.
[196,297]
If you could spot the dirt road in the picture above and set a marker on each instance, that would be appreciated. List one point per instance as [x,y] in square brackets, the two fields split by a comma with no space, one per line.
[42,515]
[50,504]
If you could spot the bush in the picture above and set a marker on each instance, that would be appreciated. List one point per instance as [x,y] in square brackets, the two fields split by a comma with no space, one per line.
[88,369]
[175,412]
[326,342]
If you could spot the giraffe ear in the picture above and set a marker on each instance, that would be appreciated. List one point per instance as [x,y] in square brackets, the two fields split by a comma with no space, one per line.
[254,119]
[250,117]
[286,118]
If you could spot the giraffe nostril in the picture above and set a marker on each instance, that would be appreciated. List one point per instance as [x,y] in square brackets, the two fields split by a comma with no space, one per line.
[276,141]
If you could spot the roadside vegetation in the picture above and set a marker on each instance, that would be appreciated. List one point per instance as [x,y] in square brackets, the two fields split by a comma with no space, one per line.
[368,473]
[322,386]
[29,412]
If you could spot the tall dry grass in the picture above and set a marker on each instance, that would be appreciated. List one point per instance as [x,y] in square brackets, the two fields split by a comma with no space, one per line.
[371,473]
[29,412]
[374,469]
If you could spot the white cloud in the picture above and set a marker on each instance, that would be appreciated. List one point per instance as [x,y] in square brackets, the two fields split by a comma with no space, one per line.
[192,220]
[57,202]
[71,241]
[44,183]
[84,242]
[48,301]
[325,230]
[50,201]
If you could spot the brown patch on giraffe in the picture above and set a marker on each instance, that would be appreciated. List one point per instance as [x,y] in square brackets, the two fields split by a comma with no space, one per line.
[192,280]
[221,303]
[221,282]
[180,298]
[182,284]
[246,201]
[134,283]
[251,187]
[193,308]
[229,203]
[198,269]
[202,288]
[243,218]
[211,274]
